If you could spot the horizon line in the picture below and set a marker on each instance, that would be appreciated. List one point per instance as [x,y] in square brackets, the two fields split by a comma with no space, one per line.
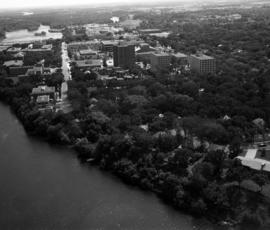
[121,4]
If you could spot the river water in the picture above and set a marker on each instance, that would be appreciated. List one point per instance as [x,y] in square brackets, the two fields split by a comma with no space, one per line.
[46,187]
[20,36]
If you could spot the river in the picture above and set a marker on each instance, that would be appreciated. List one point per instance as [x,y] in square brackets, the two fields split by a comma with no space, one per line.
[24,36]
[46,187]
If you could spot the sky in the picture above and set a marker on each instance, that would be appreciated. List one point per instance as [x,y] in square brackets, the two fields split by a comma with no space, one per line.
[47,3]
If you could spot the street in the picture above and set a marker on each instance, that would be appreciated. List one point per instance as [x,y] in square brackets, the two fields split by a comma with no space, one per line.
[64,104]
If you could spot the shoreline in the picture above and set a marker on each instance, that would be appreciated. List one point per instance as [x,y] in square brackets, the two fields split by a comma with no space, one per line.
[80,153]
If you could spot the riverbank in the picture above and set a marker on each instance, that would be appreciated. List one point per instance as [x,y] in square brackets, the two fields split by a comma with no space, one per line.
[121,155]
[46,187]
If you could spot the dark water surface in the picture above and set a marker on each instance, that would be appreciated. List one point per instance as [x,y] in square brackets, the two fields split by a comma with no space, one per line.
[46,187]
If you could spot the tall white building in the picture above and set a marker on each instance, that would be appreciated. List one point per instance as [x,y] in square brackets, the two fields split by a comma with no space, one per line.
[202,64]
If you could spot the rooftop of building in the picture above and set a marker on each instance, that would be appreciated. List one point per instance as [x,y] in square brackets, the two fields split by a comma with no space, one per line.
[83,43]
[109,42]
[202,56]
[43,99]
[19,55]
[37,50]
[88,51]
[89,63]
[180,55]
[17,63]
[42,89]
[124,44]
[144,49]
[161,54]
[48,46]
[251,160]
[144,44]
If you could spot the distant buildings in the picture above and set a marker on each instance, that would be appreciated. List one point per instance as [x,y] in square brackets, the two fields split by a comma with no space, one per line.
[99,29]
[202,64]
[89,64]
[114,19]
[38,69]
[160,61]
[44,49]
[15,68]
[18,71]
[83,45]
[131,24]
[149,31]
[124,55]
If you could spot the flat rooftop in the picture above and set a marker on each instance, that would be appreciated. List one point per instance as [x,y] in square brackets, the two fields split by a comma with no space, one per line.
[89,63]
[125,44]
[89,51]
[180,55]
[202,57]
[43,89]
[162,54]
[109,42]
[257,159]
[43,99]
[17,63]
[83,43]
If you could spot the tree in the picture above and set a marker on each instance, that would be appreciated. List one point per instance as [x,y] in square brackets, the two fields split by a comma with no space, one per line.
[166,142]
[217,159]
[180,161]
[198,207]
[261,179]
[170,185]
[107,106]
[204,170]
[216,195]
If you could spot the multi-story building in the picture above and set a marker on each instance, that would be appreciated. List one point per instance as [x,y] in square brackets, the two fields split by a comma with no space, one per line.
[160,61]
[202,64]
[107,46]
[88,64]
[88,54]
[83,45]
[45,91]
[124,55]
